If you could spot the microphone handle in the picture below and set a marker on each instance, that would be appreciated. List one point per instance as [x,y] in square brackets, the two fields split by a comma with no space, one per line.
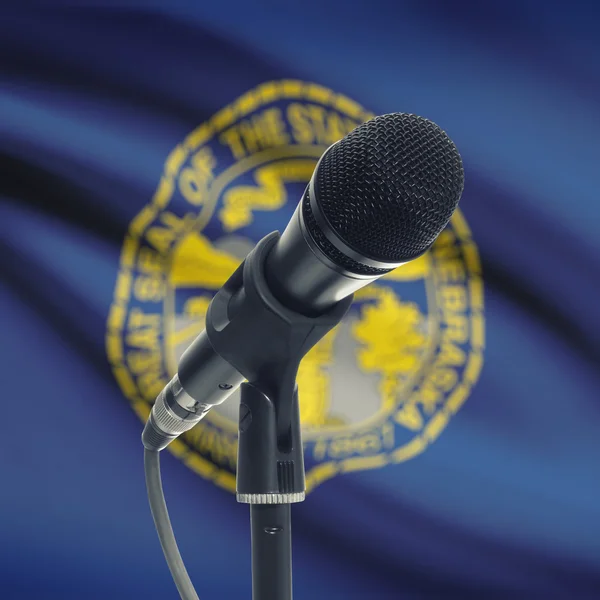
[302,277]
[205,375]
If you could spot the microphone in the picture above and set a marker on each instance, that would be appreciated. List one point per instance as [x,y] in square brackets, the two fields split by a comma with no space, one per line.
[377,199]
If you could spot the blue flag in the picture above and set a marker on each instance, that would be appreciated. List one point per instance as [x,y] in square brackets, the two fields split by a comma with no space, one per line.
[450,422]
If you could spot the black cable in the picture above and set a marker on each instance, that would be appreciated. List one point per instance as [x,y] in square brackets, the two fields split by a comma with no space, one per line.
[164,529]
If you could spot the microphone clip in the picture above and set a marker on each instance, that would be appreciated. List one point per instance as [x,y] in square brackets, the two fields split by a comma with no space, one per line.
[265,342]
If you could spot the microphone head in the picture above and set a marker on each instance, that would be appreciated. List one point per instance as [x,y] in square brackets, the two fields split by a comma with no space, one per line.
[385,191]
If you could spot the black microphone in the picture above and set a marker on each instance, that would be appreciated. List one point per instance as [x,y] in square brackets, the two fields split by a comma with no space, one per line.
[377,199]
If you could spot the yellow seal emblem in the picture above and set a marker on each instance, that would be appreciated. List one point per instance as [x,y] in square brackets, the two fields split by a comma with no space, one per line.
[375,391]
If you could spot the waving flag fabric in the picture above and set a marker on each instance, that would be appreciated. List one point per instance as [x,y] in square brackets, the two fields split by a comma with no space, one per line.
[451,421]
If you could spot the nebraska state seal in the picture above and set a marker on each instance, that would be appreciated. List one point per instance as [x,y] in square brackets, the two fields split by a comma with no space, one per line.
[379,388]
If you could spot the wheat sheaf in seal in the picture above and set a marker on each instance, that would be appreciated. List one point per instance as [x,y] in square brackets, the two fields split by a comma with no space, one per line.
[375,391]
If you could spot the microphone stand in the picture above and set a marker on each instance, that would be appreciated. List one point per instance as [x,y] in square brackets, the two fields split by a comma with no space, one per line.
[265,342]
[270,477]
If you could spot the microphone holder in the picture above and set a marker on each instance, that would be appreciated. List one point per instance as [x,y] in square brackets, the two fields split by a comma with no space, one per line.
[265,342]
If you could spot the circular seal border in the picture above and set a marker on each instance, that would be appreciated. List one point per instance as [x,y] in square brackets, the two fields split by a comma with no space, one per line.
[245,105]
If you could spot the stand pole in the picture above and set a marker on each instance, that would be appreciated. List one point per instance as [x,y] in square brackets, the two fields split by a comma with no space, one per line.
[270,477]
[271,551]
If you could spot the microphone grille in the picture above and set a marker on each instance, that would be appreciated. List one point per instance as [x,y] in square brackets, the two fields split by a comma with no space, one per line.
[390,186]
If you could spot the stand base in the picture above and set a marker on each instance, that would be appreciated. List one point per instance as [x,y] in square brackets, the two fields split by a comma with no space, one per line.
[271,551]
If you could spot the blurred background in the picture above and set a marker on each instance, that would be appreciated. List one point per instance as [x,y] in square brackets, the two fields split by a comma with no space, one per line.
[451,421]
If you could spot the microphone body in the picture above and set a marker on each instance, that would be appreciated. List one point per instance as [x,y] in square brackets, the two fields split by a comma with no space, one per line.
[303,276]
[377,199]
